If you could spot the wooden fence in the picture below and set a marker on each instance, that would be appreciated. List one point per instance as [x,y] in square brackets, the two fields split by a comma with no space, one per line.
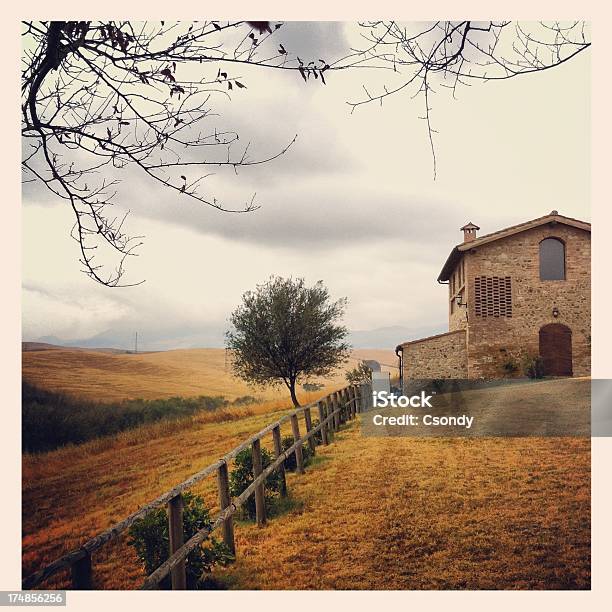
[333,410]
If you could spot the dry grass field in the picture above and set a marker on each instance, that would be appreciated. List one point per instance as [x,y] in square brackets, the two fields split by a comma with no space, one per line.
[406,513]
[382,513]
[104,376]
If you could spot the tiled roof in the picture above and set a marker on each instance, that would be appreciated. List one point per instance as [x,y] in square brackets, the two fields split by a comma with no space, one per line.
[455,254]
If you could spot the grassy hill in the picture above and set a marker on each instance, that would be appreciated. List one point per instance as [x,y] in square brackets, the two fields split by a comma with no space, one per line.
[369,513]
[106,377]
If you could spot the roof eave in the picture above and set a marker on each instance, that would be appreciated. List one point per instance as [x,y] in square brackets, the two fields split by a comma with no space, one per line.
[449,265]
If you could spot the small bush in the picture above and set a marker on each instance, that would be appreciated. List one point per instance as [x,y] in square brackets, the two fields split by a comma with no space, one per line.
[318,436]
[533,366]
[290,462]
[510,366]
[149,536]
[362,373]
[244,400]
[312,387]
[242,476]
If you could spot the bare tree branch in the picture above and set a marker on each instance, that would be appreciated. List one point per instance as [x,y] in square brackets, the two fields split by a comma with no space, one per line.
[102,96]
[455,53]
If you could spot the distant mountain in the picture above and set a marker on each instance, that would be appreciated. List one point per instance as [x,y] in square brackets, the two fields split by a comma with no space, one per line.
[389,337]
[122,341]
[53,340]
[104,340]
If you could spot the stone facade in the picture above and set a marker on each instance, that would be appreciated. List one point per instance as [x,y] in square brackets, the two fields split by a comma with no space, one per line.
[500,323]
[442,356]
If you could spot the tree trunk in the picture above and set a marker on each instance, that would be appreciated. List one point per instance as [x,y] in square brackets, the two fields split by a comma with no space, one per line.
[294,398]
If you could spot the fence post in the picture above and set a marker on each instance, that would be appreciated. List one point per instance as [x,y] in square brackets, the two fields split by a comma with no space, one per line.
[299,459]
[329,408]
[278,449]
[322,417]
[308,421]
[260,494]
[224,502]
[175,533]
[349,397]
[347,406]
[336,409]
[81,574]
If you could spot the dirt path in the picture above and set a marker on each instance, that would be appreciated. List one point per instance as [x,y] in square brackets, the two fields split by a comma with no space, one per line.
[402,513]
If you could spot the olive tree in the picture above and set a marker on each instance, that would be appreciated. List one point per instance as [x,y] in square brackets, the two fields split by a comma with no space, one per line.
[285,332]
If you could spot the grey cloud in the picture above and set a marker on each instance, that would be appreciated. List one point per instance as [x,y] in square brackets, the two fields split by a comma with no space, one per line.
[326,215]
[313,40]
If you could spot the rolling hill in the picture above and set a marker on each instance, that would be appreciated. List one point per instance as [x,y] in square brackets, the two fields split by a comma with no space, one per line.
[110,375]
[370,512]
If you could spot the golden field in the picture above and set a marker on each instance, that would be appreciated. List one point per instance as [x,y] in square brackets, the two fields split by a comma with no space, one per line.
[445,513]
[104,376]
[376,513]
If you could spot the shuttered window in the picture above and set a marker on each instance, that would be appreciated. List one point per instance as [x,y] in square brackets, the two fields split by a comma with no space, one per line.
[493,296]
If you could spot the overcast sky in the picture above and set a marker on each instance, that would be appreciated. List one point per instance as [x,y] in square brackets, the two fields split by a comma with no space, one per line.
[353,203]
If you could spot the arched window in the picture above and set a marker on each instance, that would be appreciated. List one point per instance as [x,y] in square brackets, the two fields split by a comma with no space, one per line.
[552,259]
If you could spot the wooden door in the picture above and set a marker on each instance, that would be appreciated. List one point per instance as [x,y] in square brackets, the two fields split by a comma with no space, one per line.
[556,349]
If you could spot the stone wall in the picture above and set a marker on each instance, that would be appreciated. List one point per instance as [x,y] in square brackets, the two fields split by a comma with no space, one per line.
[457,318]
[490,340]
[442,356]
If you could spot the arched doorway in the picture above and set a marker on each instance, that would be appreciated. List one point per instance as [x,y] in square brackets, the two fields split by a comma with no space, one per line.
[556,349]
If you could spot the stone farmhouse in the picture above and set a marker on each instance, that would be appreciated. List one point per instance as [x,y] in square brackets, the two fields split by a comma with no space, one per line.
[521,291]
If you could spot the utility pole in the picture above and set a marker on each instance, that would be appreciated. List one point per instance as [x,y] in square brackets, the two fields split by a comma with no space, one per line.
[136,343]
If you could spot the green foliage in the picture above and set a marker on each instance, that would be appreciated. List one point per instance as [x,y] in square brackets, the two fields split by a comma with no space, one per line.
[362,373]
[285,331]
[533,366]
[318,436]
[51,420]
[290,462]
[242,477]
[510,366]
[244,400]
[149,536]
[311,387]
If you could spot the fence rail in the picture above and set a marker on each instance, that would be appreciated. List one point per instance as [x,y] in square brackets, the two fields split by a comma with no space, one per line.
[333,410]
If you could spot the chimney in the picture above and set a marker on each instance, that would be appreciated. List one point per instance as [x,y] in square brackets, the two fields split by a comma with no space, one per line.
[469,232]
